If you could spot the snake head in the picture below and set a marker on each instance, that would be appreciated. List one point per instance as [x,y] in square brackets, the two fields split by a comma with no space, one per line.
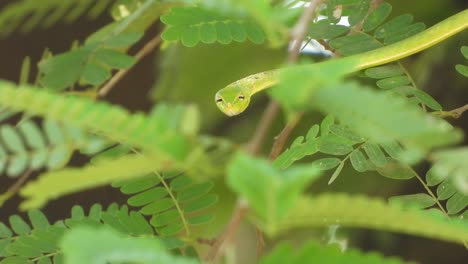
[232,100]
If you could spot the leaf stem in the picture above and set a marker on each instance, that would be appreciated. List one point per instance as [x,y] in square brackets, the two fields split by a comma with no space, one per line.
[14,188]
[429,191]
[455,113]
[147,49]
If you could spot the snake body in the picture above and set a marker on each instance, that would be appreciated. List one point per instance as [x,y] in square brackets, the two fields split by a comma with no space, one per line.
[235,97]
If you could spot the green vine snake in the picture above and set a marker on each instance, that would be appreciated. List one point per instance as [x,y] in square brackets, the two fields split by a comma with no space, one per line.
[234,98]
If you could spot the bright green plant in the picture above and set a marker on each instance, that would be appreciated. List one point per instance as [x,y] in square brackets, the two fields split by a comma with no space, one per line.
[180,179]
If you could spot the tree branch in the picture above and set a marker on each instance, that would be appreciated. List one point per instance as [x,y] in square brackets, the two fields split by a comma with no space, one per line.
[297,36]
[455,113]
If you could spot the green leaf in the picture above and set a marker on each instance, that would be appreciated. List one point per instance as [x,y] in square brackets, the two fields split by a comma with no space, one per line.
[462,69]
[11,139]
[165,218]
[336,173]
[359,161]
[298,149]
[270,193]
[323,29]
[355,43]
[422,96]
[432,179]
[385,71]
[139,185]
[457,203]
[464,51]
[359,12]
[325,125]
[420,200]
[452,164]
[312,252]
[63,70]
[201,203]
[397,171]
[14,260]
[147,196]
[18,225]
[405,33]
[376,155]
[114,59]
[38,219]
[5,231]
[122,40]
[94,74]
[98,245]
[193,25]
[191,36]
[346,133]
[377,17]
[395,25]
[327,163]
[393,82]
[71,180]
[445,190]
[333,145]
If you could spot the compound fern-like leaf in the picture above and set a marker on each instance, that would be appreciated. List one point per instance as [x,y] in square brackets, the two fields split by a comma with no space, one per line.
[174,201]
[192,25]
[157,134]
[30,147]
[40,241]
[26,15]
[364,212]
[54,184]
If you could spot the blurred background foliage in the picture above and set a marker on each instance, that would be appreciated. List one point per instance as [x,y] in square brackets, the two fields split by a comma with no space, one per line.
[192,75]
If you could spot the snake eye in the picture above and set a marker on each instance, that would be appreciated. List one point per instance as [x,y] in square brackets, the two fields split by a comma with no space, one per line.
[241,97]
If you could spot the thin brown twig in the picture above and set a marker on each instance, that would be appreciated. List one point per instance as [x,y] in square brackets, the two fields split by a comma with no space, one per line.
[236,219]
[455,113]
[281,139]
[143,52]
[15,187]
[297,36]
[268,116]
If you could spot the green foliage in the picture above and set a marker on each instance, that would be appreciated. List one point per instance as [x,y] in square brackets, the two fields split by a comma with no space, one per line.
[91,63]
[463,69]
[156,134]
[272,18]
[70,180]
[41,241]
[30,147]
[364,212]
[279,190]
[26,15]
[104,245]
[339,140]
[174,201]
[393,77]
[419,200]
[167,169]
[451,164]
[192,25]
[312,252]
[361,109]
